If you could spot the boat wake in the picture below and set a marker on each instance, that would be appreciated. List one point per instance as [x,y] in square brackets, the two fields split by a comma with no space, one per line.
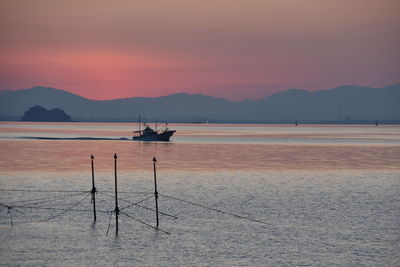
[74,138]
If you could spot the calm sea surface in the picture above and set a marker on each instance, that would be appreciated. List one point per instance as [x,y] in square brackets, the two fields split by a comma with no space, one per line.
[323,195]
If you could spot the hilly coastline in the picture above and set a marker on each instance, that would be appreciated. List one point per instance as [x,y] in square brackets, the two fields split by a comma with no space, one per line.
[347,104]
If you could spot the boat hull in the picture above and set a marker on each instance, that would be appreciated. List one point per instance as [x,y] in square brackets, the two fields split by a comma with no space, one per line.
[164,136]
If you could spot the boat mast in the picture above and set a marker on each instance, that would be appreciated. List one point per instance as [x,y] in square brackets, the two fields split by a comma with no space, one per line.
[140,132]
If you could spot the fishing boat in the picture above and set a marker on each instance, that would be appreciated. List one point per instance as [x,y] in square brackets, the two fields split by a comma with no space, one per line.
[149,134]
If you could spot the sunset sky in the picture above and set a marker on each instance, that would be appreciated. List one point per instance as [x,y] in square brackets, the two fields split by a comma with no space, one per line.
[231,49]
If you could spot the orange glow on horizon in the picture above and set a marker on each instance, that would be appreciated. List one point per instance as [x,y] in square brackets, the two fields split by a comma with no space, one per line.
[249,49]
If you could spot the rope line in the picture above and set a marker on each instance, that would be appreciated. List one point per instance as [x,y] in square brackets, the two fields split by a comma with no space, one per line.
[56,204]
[133,204]
[61,213]
[145,223]
[30,204]
[17,210]
[119,198]
[8,207]
[49,200]
[35,199]
[50,208]
[126,192]
[43,190]
[140,206]
[216,210]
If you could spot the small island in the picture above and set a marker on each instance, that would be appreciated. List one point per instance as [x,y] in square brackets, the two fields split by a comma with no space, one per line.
[39,113]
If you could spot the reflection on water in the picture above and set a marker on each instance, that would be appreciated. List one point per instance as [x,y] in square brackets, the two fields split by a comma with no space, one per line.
[314,218]
[330,195]
[56,156]
[221,133]
[202,148]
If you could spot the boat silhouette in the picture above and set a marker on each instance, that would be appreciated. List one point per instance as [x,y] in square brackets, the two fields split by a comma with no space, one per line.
[149,134]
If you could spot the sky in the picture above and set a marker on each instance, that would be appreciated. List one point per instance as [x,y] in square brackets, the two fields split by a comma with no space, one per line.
[230,49]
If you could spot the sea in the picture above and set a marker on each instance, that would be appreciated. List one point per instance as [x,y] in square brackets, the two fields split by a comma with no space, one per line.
[228,195]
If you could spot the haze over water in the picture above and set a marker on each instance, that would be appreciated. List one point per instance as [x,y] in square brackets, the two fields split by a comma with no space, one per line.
[330,195]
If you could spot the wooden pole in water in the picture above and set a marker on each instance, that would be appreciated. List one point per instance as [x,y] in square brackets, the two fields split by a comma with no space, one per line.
[93,192]
[116,196]
[155,189]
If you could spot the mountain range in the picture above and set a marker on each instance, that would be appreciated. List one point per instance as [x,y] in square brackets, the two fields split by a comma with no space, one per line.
[341,104]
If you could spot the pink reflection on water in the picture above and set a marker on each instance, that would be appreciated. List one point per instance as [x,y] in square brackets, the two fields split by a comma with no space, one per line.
[70,131]
[195,154]
[70,156]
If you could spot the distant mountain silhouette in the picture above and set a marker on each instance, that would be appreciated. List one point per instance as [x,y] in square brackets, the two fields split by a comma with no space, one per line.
[38,113]
[352,103]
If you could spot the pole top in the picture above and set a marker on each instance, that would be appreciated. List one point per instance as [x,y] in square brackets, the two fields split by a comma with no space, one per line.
[154,159]
[91,156]
[115,156]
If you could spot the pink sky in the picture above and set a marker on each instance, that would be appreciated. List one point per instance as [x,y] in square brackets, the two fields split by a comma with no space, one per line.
[230,49]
